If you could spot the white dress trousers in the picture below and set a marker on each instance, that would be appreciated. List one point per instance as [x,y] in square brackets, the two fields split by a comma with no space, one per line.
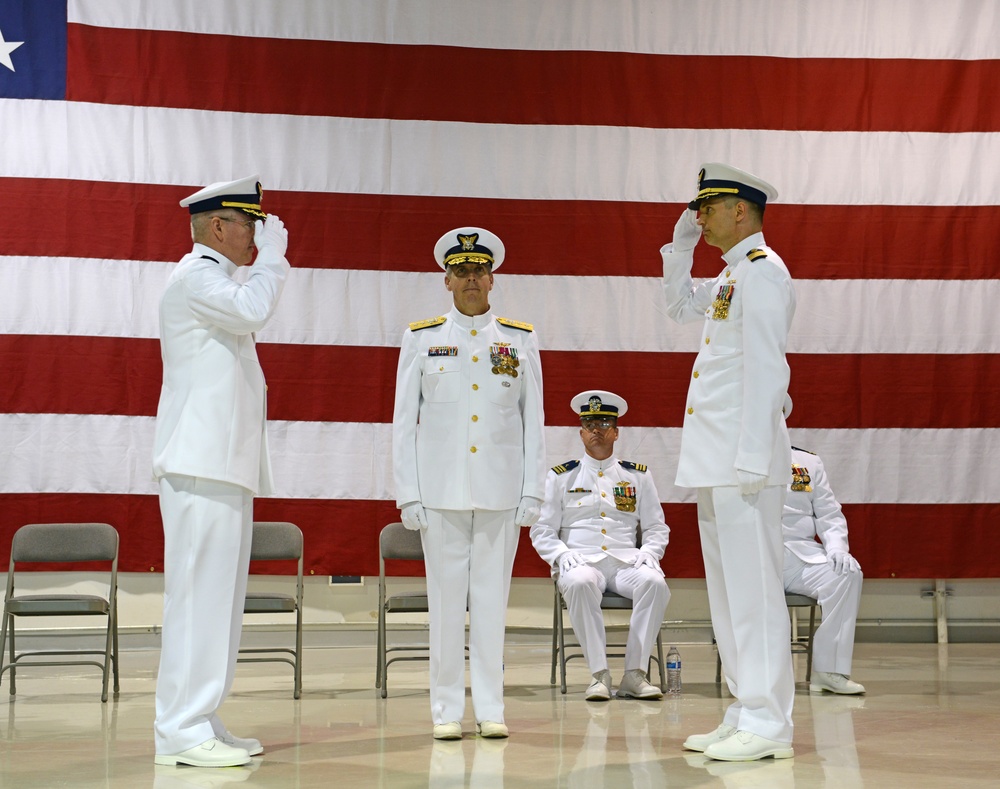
[469,556]
[207,529]
[742,549]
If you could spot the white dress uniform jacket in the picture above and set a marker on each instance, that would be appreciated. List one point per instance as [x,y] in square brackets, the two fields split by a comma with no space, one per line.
[211,418]
[468,425]
[811,511]
[595,507]
[733,416]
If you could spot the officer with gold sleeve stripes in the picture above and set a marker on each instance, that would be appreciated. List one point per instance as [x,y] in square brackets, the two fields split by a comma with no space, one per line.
[594,509]
[469,469]
[735,451]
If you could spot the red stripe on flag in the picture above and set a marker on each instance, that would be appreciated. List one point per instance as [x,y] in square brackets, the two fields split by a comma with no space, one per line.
[341,537]
[570,87]
[100,375]
[555,237]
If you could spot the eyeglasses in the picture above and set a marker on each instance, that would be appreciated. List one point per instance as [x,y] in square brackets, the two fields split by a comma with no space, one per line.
[462,270]
[249,224]
[593,425]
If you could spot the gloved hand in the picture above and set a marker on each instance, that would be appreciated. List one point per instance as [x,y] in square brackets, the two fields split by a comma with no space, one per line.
[843,563]
[687,231]
[413,516]
[750,483]
[644,559]
[528,511]
[271,234]
[568,560]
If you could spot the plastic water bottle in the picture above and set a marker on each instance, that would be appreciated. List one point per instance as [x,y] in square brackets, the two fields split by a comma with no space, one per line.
[673,671]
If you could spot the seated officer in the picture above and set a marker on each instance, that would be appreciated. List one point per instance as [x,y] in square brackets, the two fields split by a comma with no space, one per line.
[824,570]
[587,533]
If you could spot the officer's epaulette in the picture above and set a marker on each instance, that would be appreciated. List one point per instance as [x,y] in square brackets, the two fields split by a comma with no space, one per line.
[418,325]
[756,254]
[562,468]
[800,449]
[632,466]
[516,324]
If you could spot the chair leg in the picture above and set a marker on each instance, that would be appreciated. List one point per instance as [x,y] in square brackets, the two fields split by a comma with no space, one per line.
[13,663]
[114,650]
[809,646]
[562,652]
[297,689]
[659,656]
[107,656]
[555,638]
[3,642]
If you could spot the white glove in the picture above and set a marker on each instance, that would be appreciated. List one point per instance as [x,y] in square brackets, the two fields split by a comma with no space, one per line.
[528,511]
[687,231]
[750,483]
[413,516]
[568,560]
[843,563]
[271,234]
[644,559]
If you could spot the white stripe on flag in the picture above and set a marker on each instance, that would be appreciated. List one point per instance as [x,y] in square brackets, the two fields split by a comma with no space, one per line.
[351,460]
[108,298]
[378,156]
[770,28]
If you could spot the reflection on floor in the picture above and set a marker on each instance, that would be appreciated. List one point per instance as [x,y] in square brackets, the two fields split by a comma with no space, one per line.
[929,720]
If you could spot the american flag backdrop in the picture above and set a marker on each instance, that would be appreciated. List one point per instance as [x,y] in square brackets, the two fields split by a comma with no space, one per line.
[574,129]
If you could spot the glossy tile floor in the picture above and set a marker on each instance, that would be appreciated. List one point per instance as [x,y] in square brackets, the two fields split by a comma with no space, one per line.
[930,719]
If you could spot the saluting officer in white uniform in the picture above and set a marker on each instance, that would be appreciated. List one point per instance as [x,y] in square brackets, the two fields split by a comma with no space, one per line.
[824,570]
[469,465]
[735,451]
[593,512]
[210,458]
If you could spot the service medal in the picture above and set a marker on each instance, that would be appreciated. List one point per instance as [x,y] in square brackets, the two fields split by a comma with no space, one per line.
[801,479]
[625,496]
[504,359]
[720,307]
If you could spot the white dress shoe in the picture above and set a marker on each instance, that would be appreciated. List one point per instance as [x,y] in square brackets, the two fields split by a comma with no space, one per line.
[745,746]
[600,688]
[448,731]
[634,685]
[248,744]
[699,742]
[835,683]
[493,730]
[211,753]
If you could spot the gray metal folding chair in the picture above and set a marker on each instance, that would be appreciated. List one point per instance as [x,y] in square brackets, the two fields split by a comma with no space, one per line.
[396,542]
[272,541]
[561,653]
[800,644]
[62,544]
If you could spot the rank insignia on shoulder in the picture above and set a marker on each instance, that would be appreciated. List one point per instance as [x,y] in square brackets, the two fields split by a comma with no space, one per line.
[756,254]
[516,324]
[632,466]
[569,465]
[418,325]
[800,449]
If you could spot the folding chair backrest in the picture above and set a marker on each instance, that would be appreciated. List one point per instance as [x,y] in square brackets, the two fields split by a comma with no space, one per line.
[64,542]
[398,542]
[275,540]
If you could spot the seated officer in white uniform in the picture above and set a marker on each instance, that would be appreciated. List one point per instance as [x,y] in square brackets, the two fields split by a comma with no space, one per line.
[824,570]
[593,510]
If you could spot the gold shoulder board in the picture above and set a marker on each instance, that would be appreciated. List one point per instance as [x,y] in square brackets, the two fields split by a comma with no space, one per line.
[756,254]
[418,325]
[516,324]
[562,468]
[631,465]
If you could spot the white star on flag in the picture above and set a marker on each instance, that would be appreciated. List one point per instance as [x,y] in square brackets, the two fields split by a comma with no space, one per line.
[6,47]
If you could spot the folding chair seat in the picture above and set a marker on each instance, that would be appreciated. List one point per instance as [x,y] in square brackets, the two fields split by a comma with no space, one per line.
[277,541]
[61,544]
